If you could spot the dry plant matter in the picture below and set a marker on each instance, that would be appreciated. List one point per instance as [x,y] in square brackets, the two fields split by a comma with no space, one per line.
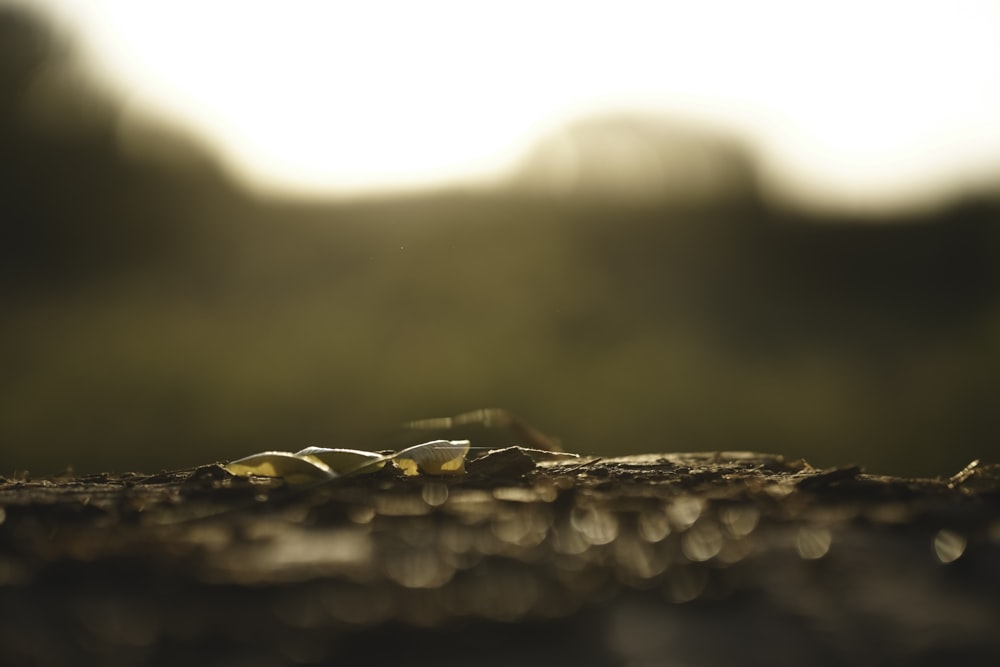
[696,558]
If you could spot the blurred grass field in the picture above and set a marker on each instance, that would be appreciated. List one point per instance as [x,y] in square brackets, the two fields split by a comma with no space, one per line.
[157,317]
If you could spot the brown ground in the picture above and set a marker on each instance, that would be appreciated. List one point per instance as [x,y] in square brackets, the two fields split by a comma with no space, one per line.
[660,559]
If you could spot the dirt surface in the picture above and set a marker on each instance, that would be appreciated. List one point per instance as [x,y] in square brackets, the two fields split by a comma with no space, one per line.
[659,559]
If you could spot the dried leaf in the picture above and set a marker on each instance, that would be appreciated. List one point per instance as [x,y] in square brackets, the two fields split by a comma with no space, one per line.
[437,457]
[294,469]
[345,461]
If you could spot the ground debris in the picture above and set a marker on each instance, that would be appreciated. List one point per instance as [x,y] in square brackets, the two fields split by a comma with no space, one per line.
[824,479]
[115,561]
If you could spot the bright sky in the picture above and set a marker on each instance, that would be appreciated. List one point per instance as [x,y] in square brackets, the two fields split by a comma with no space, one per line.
[854,103]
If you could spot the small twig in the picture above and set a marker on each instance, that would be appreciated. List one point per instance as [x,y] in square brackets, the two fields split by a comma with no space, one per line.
[963,475]
[585,464]
[491,418]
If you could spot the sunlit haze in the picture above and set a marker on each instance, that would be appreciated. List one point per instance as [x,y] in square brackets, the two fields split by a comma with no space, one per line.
[856,104]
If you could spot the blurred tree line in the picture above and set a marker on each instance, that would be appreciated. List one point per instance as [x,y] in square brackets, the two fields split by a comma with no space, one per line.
[157,316]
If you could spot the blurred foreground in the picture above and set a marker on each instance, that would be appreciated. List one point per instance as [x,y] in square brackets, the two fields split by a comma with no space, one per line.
[154,316]
[695,559]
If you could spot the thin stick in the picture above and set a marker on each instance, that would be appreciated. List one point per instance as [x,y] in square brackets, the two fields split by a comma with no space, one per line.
[492,418]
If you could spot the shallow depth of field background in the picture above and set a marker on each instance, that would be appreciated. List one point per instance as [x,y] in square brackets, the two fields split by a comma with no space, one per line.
[157,314]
